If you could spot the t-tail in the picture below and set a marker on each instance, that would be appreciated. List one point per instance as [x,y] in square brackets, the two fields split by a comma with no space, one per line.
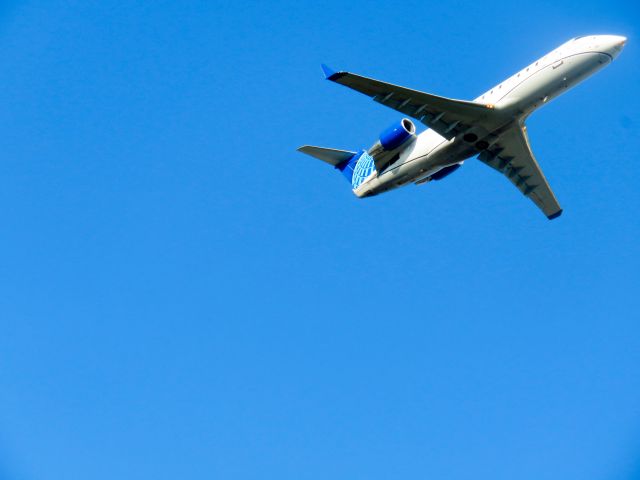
[355,166]
[359,166]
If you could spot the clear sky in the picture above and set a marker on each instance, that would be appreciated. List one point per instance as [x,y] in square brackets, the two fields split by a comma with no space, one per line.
[183,295]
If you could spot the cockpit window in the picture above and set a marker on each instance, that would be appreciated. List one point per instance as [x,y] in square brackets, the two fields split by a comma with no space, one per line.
[578,38]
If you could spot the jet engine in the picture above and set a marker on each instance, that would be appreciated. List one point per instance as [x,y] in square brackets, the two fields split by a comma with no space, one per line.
[397,134]
[391,143]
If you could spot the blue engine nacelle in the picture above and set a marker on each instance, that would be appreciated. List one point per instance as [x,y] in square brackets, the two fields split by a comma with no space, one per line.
[397,134]
[446,171]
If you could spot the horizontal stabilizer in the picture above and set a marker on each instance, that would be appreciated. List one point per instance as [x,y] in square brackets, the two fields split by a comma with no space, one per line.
[330,155]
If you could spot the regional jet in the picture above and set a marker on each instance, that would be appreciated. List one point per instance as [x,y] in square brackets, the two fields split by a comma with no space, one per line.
[491,127]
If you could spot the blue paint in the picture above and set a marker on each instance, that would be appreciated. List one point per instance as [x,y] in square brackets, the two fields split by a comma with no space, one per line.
[348,166]
[364,167]
[328,72]
[394,136]
[357,168]
[445,172]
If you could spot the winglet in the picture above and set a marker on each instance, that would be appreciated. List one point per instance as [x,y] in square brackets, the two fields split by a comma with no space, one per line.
[328,73]
[555,215]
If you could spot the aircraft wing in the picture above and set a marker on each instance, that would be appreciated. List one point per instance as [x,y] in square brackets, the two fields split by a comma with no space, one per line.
[511,155]
[446,116]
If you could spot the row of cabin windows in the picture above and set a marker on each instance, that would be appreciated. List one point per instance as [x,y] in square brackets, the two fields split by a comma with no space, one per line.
[518,76]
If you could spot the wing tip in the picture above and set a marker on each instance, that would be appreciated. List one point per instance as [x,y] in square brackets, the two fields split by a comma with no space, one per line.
[555,215]
[329,73]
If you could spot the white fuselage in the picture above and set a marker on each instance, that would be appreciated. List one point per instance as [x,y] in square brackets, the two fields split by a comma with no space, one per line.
[515,99]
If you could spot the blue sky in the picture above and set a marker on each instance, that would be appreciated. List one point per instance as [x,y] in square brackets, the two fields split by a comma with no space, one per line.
[182,295]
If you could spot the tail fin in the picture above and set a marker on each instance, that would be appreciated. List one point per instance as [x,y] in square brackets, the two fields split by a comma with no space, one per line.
[355,166]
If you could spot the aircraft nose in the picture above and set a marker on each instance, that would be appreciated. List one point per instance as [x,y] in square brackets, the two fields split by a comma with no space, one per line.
[615,44]
[620,40]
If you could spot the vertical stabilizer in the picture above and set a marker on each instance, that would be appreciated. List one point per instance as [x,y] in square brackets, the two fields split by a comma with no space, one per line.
[356,167]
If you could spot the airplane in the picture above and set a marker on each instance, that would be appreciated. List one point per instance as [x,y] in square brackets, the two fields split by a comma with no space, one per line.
[492,126]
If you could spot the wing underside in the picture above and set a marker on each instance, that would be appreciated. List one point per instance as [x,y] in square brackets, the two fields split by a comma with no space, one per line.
[511,155]
[446,116]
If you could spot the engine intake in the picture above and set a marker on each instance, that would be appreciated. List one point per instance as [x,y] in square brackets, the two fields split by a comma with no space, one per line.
[397,134]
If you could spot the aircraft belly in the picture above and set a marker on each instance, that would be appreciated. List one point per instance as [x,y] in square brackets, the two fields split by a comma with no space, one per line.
[445,154]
